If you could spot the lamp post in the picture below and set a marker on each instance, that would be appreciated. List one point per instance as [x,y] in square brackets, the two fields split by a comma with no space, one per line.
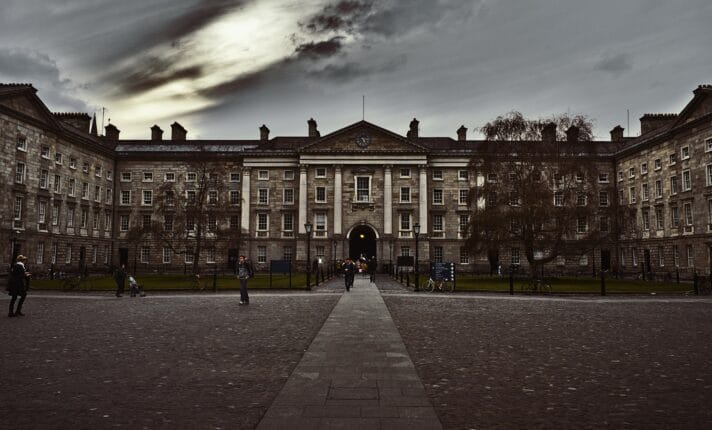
[416,232]
[13,246]
[308,229]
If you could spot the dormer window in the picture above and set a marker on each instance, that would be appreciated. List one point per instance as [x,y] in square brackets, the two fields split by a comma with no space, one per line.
[21,143]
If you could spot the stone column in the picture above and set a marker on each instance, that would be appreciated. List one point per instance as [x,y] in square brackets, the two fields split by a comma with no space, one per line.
[302,198]
[245,208]
[387,201]
[337,200]
[423,200]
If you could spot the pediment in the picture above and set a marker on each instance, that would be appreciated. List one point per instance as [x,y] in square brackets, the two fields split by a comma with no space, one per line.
[29,105]
[700,105]
[363,138]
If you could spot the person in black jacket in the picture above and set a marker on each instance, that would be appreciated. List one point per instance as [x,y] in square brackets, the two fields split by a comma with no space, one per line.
[120,278]
[244,273]
[19,278]
[372,265]
[349,269]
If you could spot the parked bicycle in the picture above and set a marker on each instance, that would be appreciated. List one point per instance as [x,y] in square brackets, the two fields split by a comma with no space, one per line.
[534,285]
[439,285]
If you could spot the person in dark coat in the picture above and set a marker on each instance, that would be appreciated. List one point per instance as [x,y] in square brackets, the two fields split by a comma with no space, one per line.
[244,273]
[17,286]
[349,269]
[372,264]
[120,278]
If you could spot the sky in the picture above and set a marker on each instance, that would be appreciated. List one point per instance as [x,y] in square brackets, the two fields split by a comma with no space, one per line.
[222,68]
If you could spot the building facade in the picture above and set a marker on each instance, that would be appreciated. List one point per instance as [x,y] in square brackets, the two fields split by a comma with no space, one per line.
[75,199]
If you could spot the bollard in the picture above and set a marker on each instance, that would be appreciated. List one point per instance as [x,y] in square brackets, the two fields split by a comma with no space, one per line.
[694,283]
[603,283]
[511,283]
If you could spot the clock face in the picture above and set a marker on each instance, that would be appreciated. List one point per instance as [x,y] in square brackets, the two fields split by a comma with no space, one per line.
[363,140]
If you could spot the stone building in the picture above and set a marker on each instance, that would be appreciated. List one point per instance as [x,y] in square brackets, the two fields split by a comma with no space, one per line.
[75,199]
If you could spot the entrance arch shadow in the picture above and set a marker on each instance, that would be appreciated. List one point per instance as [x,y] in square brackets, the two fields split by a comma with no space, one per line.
[362,242]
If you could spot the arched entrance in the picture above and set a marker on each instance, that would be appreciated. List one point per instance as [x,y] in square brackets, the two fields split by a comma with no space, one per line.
[362,241]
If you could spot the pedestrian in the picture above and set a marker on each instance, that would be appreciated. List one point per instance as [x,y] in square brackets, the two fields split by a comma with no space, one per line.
[372,264]
[120,278]
[135,287]
[17,286]
[349,269]
[244,273]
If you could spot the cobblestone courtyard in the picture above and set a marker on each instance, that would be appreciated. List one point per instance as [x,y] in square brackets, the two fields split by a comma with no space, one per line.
[202,361]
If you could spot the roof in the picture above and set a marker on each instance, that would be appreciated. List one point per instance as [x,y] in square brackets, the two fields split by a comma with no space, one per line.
[145,146]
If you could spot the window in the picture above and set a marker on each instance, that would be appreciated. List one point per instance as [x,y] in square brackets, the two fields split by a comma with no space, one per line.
[85,190]
[405,251]
[631,173]
[363,189]
[97,170]
[288,175]
[405,223]
[675,256]
[463,194]
[169,177]
[583,261]
[21,143]
[68,254]
[658,189]
[673,159]
[55,213]
[288,225]
[690,256]
[686,180]
[644,168]
[107,220]
[464,221]
[85,167]
[262,222]
[646,193]
[234,197]
[514,257]
[212,197]
[53,253]
[288,196]
[581,199]
[661,256]
[263,175]
[620,176]
[147,177]
[687,211]
[212,223]
[603,178]
[166,255]
[234,222]
[320,172]
[95,220]
[145,254]
[405,195]
[70,217]
[261,254]
[210,255]
[234,177]
[581,224]
[190,224]
[659,218]
[190,197]
[42,215]
[437,175]
[125,176]
[437,196]
[492,177]
[603,198]
[438,254]
[109,175]
[40,253]
[685,153]
[645,213]
[709,214]
[72,163]
[708,170]
[189,254]
[674,216]
[621,197]
[44,179]
[125,197]
[20,173]
[623,257]
[44,152]
[463,175]
[57,184]
[83,218]
[123,222]
[320,195]
[97,193]
[657,164]
[58,158]
[438,226]
[579,177]
[631,195]
[146,221]
[320,224]
[708,144]
[288,253]
[191,177]
[673,185]
[405,173]
[109,195]
[558,198]
[604,224]
[262,196]
[464,256]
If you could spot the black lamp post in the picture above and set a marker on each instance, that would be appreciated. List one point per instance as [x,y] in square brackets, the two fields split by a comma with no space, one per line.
[416,232]
[308,229]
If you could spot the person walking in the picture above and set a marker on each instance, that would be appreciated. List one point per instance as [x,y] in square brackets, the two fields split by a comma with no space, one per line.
[17,286]
[120,278]
[244,273]
[372,264]
[349,270]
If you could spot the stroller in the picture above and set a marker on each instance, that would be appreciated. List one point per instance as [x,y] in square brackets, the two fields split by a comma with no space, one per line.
[135,287]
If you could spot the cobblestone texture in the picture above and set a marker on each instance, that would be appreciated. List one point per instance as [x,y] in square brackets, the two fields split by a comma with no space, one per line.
[158,362]
[491,363]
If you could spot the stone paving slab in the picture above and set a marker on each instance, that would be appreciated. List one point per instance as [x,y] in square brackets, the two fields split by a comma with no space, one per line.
[356,374]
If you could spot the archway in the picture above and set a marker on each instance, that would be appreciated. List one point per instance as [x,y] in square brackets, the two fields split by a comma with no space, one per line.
[362,242]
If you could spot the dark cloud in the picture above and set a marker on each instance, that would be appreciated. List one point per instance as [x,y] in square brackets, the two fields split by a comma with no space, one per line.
[341,16]
[350,71]
[41,70]
[614,64]
[249,81]
[150,73]
[322,49]
[198,17]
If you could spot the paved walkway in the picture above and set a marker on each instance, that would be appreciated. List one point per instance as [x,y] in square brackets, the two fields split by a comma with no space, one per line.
[356,374]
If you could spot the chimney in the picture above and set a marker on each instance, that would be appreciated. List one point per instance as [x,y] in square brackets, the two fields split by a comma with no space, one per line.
[572,134]
[313,132]
[156,133]
[413,132]
[178,132]
[112,132]
[548,133]
[462,133]
[617,134]
[78,120]
[264,133]
[652,121]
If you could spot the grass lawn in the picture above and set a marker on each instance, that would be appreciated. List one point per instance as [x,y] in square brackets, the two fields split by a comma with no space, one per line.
[180,282]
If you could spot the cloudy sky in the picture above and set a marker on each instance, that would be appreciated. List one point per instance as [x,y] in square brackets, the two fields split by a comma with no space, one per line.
[224,67]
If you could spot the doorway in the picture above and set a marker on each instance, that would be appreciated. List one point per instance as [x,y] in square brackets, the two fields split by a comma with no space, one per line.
[123,257]
[605,259]
[362,242]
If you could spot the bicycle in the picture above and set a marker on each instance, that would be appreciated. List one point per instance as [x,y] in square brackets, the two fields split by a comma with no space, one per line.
[536,286]
[440,285]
